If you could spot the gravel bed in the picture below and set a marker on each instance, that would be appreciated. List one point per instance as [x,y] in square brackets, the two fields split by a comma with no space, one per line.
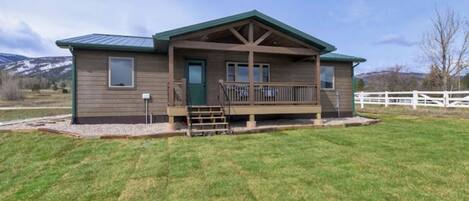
[241,126]
[92,130]
[62,124]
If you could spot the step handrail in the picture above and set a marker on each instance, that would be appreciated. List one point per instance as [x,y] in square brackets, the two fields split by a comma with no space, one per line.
[222,102]
[189,108]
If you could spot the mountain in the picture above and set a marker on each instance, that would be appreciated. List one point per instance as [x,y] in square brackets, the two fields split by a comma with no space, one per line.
[49,67]
[378,74]
[6,58]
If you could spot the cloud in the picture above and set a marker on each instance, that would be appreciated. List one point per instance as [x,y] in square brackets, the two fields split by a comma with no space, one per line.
[394,39]
[18,37]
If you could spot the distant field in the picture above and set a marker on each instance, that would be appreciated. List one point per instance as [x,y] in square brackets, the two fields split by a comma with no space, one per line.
[420,111]
[44,98]
[8,115]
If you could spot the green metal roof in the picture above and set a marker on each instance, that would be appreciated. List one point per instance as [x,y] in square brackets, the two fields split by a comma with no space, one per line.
[147,44]
[109,42]
[162,37]
[340,57]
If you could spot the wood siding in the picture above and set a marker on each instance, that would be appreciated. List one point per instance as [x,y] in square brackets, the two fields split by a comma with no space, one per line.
[95,98]
[343,84]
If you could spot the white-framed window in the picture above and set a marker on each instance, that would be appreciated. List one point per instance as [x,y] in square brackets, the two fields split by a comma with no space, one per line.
[327,77]
[121,72]
[239,72]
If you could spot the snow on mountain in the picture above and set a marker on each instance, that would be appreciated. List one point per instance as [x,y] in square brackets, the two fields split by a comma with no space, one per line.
[48,67]
[6,58]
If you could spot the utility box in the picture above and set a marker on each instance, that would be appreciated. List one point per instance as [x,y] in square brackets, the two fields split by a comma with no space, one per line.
[146,96]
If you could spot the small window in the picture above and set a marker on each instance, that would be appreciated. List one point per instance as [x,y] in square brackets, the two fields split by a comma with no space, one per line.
[240,72]
[327,77]
[265,73]
[243,73]
[121,72]
[230,74]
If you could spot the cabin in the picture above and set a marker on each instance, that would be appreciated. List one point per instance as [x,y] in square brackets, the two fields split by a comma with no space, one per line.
[247,66]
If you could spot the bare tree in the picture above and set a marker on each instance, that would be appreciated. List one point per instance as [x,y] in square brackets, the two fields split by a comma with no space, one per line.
[445,47]
[9,87]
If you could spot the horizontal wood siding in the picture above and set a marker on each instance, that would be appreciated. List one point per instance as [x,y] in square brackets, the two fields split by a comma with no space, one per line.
[95,98]
[343,84]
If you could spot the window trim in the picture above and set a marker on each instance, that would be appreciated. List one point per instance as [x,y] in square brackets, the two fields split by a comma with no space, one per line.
[236,70]
[333,78]
[110,69]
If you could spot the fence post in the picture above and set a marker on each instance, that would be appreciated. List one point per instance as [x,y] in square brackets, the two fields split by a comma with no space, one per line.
[414,99]
[386,99]
[445,99]
[362,105]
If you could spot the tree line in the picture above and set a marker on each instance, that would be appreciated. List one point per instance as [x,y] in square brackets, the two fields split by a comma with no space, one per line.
[12,87]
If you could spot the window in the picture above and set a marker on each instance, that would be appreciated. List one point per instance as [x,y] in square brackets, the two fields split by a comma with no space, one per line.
[240,72]
[121,72]
[327,77]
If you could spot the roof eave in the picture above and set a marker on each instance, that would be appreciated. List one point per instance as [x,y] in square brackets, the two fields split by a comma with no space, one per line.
[63,44]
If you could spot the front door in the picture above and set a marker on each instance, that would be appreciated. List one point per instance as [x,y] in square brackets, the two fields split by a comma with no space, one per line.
[195,74]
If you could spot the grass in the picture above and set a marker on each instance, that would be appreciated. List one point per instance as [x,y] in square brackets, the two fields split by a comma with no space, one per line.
[402,158]
[420,111]
[8,115]
[44,98]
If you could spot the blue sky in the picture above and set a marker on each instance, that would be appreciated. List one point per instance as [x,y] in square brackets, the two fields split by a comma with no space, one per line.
[384,32]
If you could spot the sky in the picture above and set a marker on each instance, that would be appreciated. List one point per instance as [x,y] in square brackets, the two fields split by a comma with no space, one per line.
[384,32]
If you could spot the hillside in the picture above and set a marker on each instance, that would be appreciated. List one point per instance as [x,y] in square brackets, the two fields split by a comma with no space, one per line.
[49,67]
[6,58]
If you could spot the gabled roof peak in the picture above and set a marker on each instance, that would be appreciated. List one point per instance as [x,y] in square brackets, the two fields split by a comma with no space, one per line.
[163,37]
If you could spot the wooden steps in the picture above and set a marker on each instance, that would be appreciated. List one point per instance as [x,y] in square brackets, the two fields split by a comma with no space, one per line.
[206,120]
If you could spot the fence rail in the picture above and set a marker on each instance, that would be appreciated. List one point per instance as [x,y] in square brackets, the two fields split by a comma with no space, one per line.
[448,99]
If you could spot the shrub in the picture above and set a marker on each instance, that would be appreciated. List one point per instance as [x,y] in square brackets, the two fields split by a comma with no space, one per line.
[64,91]
[9,89]
[63,85]
[54,87]
[36,88]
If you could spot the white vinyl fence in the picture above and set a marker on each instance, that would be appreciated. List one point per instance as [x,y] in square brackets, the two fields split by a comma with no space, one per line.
[455,99]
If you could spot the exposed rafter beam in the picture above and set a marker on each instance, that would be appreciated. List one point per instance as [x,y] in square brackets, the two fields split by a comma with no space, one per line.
[238,35]
[243,48]
[251,32]
[263,37]
[209,31]
[284,35]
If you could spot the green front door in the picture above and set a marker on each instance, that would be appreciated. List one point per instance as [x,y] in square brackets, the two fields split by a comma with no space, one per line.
[195,74]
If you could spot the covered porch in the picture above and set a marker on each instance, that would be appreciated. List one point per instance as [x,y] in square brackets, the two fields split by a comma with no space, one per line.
[247,68]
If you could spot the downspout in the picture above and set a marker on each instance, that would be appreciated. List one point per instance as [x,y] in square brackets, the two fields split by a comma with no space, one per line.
[353,88]
[74,87]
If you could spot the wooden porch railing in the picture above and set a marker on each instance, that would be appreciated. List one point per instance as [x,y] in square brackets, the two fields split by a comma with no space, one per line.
[179,93]
[272,93]
[265,93]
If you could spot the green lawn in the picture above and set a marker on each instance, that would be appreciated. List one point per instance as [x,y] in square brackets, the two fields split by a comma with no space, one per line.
[402,158]
[8,115]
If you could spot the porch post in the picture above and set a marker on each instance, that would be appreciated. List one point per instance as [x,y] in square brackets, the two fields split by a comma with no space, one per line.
[171,75]
[171,125]
[317,78]
[252,121]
